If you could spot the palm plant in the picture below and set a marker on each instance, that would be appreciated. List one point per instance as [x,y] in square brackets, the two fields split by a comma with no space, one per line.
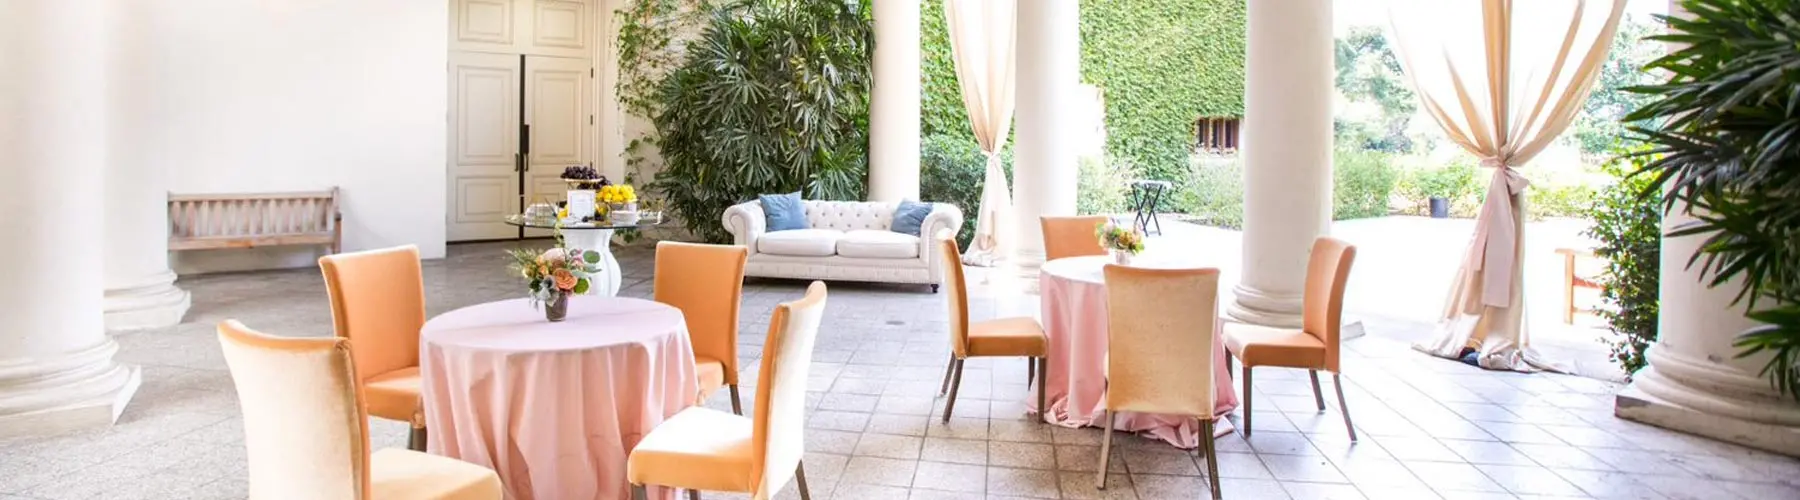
[772,97]
[1727,126]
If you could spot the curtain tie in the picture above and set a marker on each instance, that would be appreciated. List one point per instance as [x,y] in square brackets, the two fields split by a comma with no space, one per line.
[1496,234]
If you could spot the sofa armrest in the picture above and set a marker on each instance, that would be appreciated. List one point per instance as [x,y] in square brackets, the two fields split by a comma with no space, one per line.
[943,217]
[746,223]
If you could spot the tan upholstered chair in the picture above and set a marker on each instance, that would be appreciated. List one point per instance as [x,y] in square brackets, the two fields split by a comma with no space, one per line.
[706,282]
[706,449]
[1160,329]
[378,302]
[307,434]
[1004,337]
[1314,346]
[1071,236]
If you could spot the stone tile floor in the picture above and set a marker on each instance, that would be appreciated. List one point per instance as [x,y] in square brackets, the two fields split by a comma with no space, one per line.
[1430,428]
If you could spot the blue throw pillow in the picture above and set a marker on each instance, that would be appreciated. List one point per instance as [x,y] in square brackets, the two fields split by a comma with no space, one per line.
[909,216]
[783,212]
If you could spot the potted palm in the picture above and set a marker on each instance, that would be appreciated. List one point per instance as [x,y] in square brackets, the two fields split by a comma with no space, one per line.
[1728,131]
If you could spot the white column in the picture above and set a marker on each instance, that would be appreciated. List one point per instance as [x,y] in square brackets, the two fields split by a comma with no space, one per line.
[140,288]
[1287,155]
[894,103]
[1048,67]
[57,370]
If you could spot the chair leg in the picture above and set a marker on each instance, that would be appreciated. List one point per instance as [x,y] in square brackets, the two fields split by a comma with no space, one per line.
[1318,395]
[693,494]
[1230,368]
[1043,383]
[1247,393]
[736,405]
[416,440]
[1105,449]
[800,478]
[1337,380]
[1212,457]
[1030,369]
[947,369]
[955,384]
[639,493]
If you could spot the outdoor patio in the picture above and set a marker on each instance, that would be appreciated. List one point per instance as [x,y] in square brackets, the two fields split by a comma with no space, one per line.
[1430,428]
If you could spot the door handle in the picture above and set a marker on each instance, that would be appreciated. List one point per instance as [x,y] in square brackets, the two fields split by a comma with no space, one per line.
[518,162]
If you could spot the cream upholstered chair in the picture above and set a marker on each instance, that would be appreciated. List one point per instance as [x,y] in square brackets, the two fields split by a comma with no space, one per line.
[706,449]
[1004,337]
[307,433]
[378,302]
[1160,329]
[1314,346]
[1071,236]
[706,282]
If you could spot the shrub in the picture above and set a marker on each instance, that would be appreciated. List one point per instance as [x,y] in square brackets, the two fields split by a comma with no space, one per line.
[1363,182]
[772,97]
[1455,181]
[952,171]
[1102,187]
[1560,199]
[1214,194]
[1627,226]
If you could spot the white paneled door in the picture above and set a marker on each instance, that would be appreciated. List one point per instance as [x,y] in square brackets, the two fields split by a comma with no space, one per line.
[558,125]
[484,145]
[562,28]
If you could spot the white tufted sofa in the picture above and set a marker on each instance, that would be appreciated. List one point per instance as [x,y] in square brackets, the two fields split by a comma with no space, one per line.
[847,241]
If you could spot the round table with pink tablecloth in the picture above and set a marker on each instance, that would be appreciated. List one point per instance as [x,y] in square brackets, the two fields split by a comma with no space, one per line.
[1074,314]
[554,408]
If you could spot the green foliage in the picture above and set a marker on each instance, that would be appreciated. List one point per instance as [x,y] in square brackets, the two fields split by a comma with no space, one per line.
[773,97]
[952,170]
[1161,64]
[1368,73]
[1727,126]
[1362,184]
[1215,191]
[1102,186]
[1627,226]
[1600,125]
[649,49]
[1452,182]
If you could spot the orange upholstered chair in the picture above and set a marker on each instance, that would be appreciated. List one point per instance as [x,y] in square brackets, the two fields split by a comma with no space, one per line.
[705,449]
[1315,345]
[306,433]
[706,282]
[1004,337]
[1160,329]
[378,302]
[1071,236]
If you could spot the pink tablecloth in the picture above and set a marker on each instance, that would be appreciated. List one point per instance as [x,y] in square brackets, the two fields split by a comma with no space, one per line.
[1074,301]
[555,408]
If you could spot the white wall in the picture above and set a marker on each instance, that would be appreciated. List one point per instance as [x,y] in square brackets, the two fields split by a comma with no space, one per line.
[291,95]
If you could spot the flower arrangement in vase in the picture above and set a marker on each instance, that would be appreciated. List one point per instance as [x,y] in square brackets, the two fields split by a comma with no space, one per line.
[1123,242]
[622,199]
[554,274]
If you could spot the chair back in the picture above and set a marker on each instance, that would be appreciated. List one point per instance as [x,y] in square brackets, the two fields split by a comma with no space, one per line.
[706,282]
[378,302]
[1160,329]
[305,431]
[779,435]
[1327,272]
[1071,236]
[957,296]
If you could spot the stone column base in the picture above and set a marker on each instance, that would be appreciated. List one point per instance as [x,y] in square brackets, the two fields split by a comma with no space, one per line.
[1258,307]
[80,390]
[154,305]
[1635,405]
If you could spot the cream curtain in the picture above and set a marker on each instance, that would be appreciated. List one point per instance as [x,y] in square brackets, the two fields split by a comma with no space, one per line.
[981,43]
[1503,78]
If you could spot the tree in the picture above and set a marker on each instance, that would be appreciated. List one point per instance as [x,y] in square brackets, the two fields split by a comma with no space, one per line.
[1601,125]
[1369,74]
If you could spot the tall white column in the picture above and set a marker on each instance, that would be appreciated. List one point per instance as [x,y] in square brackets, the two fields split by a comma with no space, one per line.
[57,370]
[1048,67]
[1694,382]
[1287,155]
[140,288]
[894,103]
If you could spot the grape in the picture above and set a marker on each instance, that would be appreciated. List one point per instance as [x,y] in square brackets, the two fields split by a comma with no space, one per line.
[580,172]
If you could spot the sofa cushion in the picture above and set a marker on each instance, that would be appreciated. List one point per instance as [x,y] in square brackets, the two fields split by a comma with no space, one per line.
[909,216]
[872,244]
[783,212]
[800,242]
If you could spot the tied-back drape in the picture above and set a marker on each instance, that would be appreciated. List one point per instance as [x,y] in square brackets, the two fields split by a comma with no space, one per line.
[1503,78]
[981,43]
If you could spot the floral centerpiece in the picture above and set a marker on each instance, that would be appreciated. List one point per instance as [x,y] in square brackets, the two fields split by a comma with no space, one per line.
[1123,241]
[554,274]
[622,199]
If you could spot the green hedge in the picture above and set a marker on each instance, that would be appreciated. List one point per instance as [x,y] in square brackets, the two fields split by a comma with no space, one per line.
[1159,63]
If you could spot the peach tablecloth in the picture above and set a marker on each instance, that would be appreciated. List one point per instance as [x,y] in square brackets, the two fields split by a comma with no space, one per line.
[1074,301]
[555,408]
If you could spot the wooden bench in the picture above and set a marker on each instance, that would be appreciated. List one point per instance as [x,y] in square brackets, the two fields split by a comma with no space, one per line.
[1571,281]
[205,221]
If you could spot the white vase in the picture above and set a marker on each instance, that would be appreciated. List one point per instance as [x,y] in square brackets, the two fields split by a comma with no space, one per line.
[1121,257]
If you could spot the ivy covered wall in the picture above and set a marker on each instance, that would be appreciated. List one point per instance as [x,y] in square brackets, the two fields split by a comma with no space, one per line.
[1159,63]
